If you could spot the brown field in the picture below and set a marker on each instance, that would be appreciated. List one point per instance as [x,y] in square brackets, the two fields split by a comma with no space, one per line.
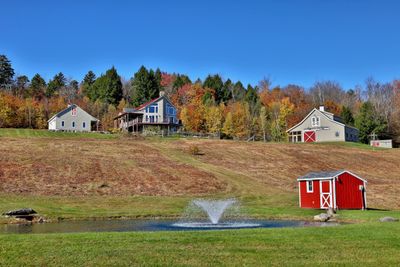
[43,166]
[164,167]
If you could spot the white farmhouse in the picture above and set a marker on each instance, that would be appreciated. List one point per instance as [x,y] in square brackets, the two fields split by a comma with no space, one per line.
[322,126]
[73,118]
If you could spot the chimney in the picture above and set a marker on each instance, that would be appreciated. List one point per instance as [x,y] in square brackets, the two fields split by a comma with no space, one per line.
[321,108]
[162,93]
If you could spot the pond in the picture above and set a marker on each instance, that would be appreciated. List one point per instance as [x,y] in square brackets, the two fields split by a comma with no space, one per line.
[144,225]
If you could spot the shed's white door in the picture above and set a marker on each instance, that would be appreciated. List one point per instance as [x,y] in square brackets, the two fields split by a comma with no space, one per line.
[325,193]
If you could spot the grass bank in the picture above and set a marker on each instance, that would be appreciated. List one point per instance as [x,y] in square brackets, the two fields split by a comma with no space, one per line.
[371,244]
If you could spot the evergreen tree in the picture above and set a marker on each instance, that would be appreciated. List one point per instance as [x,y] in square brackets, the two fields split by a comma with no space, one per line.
[227,91]
[180,81]
[238,91]
[56,84]
[21,85]
[367,123]
[347,116]
[215,82]
[108,88]
[87,83]
[38,86]
[253,100]
[141,84]
[146,85]
[6,71]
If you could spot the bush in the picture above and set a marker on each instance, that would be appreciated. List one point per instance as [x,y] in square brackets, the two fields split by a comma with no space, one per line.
[194,150]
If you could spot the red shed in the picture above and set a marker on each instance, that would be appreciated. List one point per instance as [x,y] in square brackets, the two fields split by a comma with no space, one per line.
[332,189]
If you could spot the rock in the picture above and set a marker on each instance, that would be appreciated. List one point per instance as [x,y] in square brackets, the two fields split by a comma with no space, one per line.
[388,219]
[331,212]
[323,217]
[20,212]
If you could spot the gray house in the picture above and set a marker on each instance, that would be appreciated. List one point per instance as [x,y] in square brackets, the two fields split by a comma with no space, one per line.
[158,113]
[322,126]
[74,119]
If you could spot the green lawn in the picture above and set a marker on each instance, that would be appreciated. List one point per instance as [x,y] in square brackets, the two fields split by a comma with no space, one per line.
[369,244]
[31,133]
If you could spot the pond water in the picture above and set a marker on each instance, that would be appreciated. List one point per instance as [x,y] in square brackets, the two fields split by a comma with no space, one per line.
[144,225]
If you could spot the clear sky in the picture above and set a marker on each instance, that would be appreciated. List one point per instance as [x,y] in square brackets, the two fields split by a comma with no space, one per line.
[289,41]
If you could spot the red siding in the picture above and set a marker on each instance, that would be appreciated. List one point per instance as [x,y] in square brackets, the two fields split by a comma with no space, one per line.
[348,194]
[309,200]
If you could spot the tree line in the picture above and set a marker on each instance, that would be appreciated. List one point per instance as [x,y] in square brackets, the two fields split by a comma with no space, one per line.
[213,105]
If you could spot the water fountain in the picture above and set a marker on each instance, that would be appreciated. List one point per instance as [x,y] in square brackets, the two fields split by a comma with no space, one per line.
[215,211]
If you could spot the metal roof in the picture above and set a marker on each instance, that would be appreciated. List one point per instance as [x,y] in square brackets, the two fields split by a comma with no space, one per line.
[323,174]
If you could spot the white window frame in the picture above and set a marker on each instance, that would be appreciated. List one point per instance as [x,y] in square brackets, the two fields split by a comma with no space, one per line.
[308,187]
[73,124]
[315,121]
[62,123]
[84,125]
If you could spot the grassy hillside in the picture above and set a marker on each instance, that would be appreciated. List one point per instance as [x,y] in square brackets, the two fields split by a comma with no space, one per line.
[80,175]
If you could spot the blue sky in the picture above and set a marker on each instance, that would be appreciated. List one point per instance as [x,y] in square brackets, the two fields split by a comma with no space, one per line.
[289,41]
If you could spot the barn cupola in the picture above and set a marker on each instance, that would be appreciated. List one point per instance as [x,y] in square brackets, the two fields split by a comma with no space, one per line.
[321,108]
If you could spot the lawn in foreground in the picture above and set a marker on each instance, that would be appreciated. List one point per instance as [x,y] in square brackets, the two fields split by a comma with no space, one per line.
[33,133]
[368,244]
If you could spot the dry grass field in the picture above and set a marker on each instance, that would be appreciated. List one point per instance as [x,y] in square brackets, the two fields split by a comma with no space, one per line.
[62,166]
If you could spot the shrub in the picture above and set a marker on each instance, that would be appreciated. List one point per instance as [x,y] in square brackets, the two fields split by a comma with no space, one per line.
[194,150]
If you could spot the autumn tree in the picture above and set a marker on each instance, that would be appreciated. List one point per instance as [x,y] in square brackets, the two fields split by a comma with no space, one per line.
[214,118]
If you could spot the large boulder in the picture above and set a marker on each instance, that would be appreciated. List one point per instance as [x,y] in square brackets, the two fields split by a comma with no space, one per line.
[323,217]
[388,219]
[20,212]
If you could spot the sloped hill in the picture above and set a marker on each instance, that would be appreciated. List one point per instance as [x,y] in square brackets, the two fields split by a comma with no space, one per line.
[164,167]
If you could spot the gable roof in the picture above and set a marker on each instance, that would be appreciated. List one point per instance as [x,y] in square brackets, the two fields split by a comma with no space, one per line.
[324,113]
[326,175]
[148,103]
[68,109]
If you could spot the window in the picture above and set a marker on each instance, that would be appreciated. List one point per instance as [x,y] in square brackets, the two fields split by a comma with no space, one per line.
[73,124]
[337,134]
[62,123]
[74,112]
[83,124]
[152,109]
[310,186]
[315,121]
[147,118]
[151,118]
[171,110]
[295,137]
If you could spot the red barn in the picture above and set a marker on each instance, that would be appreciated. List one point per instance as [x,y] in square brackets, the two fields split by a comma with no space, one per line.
[332,189]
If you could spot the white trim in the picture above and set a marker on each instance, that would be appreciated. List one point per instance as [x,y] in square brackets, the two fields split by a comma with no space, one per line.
[299,194]
[321,197]
[334,193]
[312,179]
[336,176]
[308,188]
[365,195]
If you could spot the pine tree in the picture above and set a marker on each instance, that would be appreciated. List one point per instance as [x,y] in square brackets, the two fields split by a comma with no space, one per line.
[367,122]
[56,84]
[107,88]
[87,83]
[146,85]
[347,116]
[6,71]
[37,86]
[215,82]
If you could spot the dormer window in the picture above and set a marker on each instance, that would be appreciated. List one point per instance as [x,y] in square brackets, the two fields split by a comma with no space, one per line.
[315,121]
